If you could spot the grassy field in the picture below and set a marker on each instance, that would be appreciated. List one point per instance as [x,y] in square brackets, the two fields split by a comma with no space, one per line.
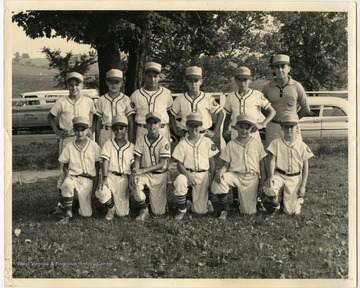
[311,245]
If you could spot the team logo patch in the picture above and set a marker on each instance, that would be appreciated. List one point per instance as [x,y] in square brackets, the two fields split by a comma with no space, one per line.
[213,147]
[167,146]
[132,105]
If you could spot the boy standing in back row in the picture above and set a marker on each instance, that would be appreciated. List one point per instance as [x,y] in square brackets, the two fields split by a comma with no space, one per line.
[195,101]
[112,104]
[152,98]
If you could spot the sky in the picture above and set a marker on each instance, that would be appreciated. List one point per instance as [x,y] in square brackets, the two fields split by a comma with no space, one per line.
[23,44]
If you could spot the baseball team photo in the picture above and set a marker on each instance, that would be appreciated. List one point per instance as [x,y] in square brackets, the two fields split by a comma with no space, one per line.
[205,147]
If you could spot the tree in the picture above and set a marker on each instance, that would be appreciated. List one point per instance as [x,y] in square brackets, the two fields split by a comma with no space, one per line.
[25,56]
[63,64]
[17,57]
[317,44]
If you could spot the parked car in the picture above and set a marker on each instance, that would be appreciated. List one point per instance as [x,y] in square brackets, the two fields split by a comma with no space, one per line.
[328,117]
[30,111]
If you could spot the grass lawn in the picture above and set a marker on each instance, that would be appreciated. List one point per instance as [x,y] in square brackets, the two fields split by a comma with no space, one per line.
[311,245]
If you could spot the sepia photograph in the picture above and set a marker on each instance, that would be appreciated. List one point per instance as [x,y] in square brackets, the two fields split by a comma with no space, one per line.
[180,144]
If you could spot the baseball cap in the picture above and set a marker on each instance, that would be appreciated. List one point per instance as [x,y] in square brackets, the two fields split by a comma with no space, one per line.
[153,66]
[289,119]
[280,59]
[119,120]
[193,72]
[115,74]
[153,115]
[245,118]
[81,121]
[242,73]
[75,75]
[194,118]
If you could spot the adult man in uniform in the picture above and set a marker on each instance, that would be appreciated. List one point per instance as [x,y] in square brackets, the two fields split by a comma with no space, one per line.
[285,95]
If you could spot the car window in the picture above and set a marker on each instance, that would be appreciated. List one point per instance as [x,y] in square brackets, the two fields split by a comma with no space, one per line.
[32,102]
[333,111]
[51,98]
[314,111]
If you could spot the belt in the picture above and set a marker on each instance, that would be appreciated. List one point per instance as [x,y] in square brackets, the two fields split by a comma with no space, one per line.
[286,173]
[276,122]
[84,175]
[117,173]
[106,127]
[158,172]
[249,173]
[196,171]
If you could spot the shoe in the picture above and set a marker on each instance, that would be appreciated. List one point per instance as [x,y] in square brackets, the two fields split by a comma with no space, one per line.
[110,214]
[210,207]
[260,206]
[299,203]
[66,218]
[223,215]
[188,205]
[276,210]
[180,215]
[144,213]
[59,209]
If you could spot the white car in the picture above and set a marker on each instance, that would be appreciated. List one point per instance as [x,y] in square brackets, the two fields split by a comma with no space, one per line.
[328,117]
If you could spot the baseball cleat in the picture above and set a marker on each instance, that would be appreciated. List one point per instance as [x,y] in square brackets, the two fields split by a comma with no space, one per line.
[210,207]
[66,218]
[110,214]
[144,213]
[59,209]
[180,215]
[223,215]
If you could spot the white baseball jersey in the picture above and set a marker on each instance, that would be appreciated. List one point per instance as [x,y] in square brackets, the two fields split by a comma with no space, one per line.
[120,158]
[67,109]
[144,101]
[250,103]
[81,161]
[151,153]
[204,104]
[195,156]
[107,107]
[290,157]
[243,158]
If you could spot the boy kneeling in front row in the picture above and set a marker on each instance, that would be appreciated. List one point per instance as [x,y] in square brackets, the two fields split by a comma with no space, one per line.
[288,167]
[152,153]
[117,155]
[195,161]
[80,159]
[242,167]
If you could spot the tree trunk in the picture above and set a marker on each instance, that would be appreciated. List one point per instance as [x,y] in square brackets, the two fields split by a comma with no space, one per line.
[136,63]
[108,58]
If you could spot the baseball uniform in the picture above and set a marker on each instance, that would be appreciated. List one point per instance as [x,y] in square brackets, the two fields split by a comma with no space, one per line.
[144,101]
[150,154]
[288,172]
[195,158]
[66,109]
[204,104]
[106,108]
[243,172]
[120,160]
[251,103]
[81,173]
[285,99]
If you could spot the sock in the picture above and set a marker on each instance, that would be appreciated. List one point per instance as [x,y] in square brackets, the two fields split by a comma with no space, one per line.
[181,202]
[189,194]
[235,194]
[60,198]
[142,205]
[110,203]
[274,200]
[223,201]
